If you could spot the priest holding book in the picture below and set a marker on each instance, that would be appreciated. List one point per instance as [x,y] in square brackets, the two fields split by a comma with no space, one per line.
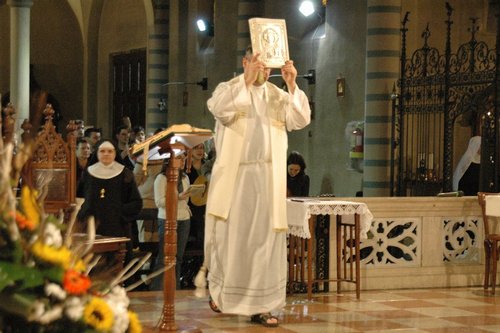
[245,234]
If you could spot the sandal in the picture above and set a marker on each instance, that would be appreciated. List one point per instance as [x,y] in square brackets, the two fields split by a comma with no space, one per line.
[264,319]
[213,306]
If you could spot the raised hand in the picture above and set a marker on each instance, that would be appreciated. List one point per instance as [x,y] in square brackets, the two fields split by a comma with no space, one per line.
[252,68]
[289,74]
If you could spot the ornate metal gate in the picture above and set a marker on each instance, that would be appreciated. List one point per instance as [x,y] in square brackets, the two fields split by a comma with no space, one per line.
[435,91]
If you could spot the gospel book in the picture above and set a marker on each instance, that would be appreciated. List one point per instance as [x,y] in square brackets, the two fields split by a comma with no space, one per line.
[269,38]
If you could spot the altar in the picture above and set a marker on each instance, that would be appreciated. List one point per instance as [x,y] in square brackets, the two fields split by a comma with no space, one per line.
[413,242]
[353,221]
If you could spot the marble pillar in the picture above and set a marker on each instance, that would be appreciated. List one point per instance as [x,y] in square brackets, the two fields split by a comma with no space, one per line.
[382,71]
[20,11]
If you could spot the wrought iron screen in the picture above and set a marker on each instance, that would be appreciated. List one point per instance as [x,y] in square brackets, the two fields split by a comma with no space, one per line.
[435,91]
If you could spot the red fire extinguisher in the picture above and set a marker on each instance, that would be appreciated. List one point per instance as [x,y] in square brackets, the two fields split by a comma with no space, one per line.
[356,142]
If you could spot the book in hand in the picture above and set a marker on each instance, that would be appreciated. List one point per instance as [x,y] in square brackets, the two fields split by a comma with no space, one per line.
[195,189]
[269,38]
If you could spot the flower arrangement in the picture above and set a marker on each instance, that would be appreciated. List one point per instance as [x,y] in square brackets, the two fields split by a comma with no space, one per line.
[44,278]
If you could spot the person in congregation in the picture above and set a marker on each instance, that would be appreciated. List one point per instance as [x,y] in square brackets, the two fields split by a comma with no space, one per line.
[246,207]
[110,194]
[93,136]
[206,169]
[121,137]
[147,225]
[80,130]
[138,135]
[183,220]
[466,174]
[82,157]
[197,203]
[297,182]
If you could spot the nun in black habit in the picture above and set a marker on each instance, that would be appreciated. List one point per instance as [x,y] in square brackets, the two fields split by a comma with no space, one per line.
[110,194]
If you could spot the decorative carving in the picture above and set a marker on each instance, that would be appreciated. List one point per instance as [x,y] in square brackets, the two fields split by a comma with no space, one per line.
[397,242]
[461,240]
[322,250]
[8,122]
[394,242]
[54,163]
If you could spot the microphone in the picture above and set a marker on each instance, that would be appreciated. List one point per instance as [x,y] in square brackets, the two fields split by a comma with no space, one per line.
[451,194]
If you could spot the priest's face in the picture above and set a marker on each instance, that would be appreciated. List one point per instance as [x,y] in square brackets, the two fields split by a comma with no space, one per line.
[106,155]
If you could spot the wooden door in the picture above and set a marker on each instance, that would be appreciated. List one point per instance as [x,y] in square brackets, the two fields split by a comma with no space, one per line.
[129,87]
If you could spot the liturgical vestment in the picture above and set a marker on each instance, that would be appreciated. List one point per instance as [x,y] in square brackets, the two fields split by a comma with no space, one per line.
[245,232]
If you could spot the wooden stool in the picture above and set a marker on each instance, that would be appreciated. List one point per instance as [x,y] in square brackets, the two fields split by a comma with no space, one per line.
[348,260]
[348,248]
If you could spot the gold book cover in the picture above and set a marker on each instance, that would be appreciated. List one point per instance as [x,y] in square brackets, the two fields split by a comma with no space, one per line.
[269,38]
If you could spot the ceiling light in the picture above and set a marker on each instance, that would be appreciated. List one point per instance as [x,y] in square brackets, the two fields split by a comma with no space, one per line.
[306,8]
[201,25]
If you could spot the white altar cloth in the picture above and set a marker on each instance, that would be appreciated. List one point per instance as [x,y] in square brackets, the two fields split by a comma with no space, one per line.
[300,209]
[492,203]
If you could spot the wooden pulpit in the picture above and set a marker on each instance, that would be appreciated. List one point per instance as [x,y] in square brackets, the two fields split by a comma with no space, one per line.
[171,141]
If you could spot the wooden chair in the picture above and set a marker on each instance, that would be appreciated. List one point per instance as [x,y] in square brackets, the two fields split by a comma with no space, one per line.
[54,162]
[490,246]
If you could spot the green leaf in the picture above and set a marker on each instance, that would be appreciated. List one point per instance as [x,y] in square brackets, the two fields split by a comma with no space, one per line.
[10,273]
[17,253]
[5,280]
[54,274]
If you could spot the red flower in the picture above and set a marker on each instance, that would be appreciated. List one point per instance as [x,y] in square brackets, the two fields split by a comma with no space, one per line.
[75,283]
[22,221]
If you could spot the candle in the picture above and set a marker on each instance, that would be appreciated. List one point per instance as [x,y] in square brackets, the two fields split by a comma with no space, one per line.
[430,164]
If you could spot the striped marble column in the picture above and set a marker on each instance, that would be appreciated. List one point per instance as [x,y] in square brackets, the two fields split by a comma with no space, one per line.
[157,71]
[246,10]
[382,71]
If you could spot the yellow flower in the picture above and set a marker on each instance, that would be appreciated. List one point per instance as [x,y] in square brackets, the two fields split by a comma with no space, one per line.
[134,323]
[49,254]
[29,205]
[80,266]
[98,314]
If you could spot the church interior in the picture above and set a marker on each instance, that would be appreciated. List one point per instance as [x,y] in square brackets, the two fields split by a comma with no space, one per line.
[397,89]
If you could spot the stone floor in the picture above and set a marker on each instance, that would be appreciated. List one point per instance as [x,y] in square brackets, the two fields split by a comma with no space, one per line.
[454,310]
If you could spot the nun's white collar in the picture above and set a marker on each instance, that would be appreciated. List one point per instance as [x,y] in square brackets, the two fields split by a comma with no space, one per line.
[102,171]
